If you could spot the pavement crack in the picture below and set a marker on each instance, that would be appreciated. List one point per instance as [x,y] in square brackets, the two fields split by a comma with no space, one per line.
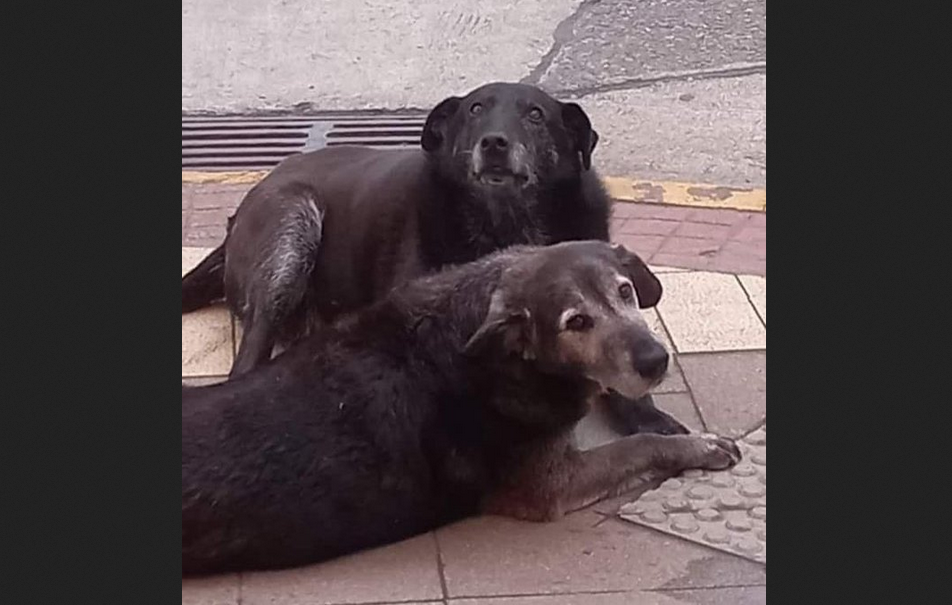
[564,32]
[441,568]
[711,587]
[728,71]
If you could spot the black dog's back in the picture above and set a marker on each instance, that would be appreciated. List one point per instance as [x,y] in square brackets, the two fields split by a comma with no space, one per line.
[375,218]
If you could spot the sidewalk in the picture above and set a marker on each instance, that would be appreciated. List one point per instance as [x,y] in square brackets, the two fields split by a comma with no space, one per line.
[712,316]
[713,239]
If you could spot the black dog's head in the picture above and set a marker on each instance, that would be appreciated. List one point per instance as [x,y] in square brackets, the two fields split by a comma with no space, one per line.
[573,310]
[509,136]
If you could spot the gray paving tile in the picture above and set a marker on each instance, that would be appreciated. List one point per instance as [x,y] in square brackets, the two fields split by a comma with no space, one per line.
[202,381]
[497,556]
[756,288]
[746,595]
[406,571]
[734,595]
[681,407]
[730,389]
[213,590]
[709,312]
[207,344]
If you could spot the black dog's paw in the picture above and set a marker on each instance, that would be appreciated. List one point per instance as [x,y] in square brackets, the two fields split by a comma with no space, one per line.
[630,417]
[667,426]
[719,452]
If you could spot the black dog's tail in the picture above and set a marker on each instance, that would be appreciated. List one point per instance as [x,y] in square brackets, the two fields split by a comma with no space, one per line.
[205,284]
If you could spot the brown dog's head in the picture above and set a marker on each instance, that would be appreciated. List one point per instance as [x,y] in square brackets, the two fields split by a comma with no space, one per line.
[504,137]
[573,309]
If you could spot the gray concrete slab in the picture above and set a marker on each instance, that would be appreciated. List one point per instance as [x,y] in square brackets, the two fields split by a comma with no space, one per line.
[702,131]
[612,42]
[677,88]
[244,55]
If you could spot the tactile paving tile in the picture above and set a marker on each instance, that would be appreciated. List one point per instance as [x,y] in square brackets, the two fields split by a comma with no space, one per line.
[726,510]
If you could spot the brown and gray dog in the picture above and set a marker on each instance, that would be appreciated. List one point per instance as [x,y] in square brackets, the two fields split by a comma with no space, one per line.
[455,394]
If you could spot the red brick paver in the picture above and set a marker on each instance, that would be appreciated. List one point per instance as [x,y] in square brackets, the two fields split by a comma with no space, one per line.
[712,239]
[205,211]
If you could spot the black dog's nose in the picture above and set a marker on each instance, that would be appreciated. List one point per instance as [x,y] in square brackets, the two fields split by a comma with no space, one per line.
[494,142]
[651,360]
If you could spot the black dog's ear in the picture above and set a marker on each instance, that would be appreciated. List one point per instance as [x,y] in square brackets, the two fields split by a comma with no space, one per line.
[504,331]
[580,127]
[434,129]
[647,285]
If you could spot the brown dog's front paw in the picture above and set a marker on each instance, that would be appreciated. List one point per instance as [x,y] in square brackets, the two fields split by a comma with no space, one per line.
[720,453]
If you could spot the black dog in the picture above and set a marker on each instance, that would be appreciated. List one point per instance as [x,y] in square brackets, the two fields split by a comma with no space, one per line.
[455,394]
[330,231]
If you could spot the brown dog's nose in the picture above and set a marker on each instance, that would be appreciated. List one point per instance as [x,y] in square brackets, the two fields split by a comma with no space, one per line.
[651,360]
[496,141]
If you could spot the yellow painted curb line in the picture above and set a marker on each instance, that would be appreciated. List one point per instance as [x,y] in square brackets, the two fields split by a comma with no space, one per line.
[243,177]
[686,194]
[619,188]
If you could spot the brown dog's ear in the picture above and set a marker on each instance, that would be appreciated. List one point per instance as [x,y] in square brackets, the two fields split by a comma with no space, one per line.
[580,127]
[434,129]
[646,284]
[504,331]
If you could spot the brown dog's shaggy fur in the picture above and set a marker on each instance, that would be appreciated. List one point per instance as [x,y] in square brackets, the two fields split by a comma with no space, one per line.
[456,393]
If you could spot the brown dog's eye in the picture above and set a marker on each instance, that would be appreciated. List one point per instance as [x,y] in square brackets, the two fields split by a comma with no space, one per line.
[626,292]
[535,114]
[579,323]
[475,108]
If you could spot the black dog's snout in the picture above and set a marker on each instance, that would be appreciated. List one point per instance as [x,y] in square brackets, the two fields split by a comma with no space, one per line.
[496,141]
[651,360]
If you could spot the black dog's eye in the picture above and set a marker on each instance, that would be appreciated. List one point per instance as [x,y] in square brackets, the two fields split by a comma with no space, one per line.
[579,323]
[475,108]
[626,292]
[535,114]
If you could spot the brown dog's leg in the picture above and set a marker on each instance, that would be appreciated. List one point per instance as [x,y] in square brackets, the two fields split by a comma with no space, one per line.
[557,478]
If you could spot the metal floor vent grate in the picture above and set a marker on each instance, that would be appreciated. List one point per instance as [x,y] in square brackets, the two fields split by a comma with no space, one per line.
[248,143]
